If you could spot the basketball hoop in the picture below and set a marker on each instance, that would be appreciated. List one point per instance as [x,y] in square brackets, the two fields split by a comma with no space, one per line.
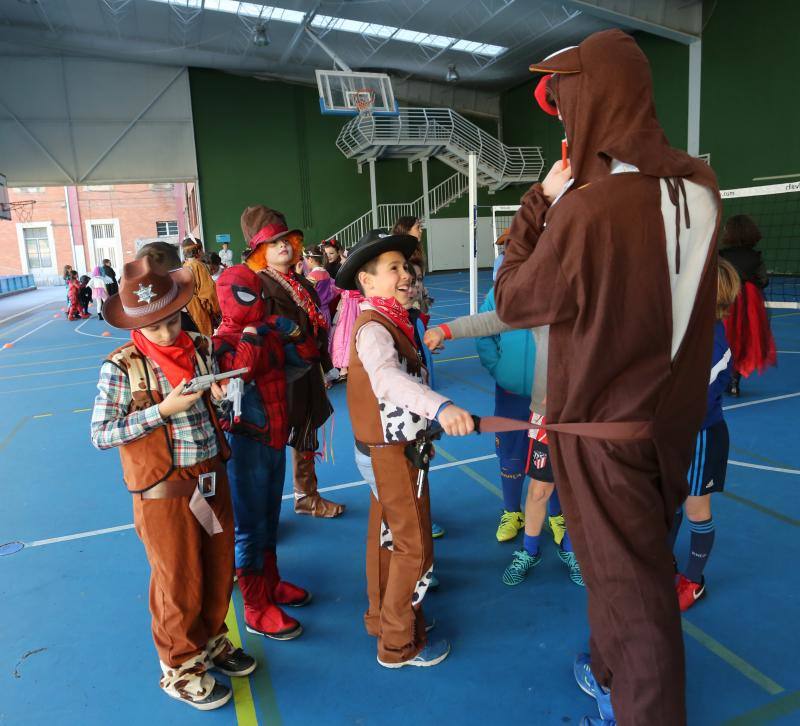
[23,211]
[364,100]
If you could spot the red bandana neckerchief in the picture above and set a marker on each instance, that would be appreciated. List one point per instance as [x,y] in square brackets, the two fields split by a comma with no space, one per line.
[390,308]
[176,360]
[301,297]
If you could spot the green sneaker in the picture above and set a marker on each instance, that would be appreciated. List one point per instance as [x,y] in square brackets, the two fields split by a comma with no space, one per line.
[510,525]
[517,571]
[569,559]
[558,527]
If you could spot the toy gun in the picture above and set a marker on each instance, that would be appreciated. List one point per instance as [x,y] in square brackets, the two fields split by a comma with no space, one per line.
[233,398]
[419,451]
[203,383]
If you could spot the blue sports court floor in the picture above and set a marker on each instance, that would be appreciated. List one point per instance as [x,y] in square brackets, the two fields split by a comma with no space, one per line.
[75,644]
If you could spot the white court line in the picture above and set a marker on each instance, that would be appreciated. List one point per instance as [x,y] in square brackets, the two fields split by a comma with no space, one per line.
[38,327]
[794,352]
[95,335]
[35,307]
[79,535]
[763,400]
[123,527]
[765,468]
[351,485]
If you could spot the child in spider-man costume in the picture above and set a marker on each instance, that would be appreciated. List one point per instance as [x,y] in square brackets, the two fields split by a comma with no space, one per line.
[248,338]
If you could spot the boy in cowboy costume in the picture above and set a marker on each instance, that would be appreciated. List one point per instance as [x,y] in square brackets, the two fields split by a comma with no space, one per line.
[274,250]
[389,403]
[172,453]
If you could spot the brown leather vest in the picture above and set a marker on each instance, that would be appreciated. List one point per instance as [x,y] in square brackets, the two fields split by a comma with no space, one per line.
[148,461]
[369,425]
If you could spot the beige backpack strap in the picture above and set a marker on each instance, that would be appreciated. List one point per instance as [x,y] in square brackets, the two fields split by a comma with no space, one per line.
[141,375]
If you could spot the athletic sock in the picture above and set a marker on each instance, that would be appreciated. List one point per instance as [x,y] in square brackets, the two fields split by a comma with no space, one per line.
[566,543]
[511,482]
[676,525]
[700,544]
[531,544]
[553,504]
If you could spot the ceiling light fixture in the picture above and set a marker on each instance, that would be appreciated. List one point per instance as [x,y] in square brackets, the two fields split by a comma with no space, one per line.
[452,74]
[260,36]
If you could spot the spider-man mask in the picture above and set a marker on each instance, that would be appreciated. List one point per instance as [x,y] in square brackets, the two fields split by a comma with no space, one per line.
[240,298]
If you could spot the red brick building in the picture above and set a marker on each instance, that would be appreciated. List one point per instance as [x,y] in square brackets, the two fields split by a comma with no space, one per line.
[80,226]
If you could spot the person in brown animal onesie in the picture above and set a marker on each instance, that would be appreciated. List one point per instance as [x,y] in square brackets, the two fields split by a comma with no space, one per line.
[617,253]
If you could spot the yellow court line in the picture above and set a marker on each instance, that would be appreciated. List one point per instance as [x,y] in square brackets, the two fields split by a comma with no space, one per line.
[733,660]
[42,415]
[242,695]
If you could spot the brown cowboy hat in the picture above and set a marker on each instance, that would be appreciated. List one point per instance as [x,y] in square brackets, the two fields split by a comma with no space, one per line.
[148,292]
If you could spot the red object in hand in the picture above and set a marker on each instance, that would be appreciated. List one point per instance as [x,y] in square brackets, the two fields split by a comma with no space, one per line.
[564,152]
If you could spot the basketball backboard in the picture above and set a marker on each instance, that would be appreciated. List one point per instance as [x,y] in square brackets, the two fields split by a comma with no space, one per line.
[5,204]
[345,93]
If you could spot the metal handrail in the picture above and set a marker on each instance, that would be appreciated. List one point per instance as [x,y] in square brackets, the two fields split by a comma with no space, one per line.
[440,196]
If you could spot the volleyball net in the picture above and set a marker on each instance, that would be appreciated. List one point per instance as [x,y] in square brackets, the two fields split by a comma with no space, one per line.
[776,210]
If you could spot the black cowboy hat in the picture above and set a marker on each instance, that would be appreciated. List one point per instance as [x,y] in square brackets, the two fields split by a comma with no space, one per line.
[373,244]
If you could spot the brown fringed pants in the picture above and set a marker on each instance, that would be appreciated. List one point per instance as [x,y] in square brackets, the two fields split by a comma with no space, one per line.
[619,500]
[399,556]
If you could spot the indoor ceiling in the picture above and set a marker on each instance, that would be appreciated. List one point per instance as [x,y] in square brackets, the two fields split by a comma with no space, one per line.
[490,42]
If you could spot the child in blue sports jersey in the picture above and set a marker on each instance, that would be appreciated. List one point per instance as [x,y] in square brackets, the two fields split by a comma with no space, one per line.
[710,460]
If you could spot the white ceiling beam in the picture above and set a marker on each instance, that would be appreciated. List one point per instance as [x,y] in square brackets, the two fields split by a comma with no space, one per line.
[682,25]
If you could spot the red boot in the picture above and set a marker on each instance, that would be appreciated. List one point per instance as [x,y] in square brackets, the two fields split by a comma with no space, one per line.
[261,615]
[283,593]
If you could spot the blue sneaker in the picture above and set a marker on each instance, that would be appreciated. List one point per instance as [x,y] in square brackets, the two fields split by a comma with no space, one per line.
[432,654]
[521,564]
[587,683]
[569,559]
[437,530]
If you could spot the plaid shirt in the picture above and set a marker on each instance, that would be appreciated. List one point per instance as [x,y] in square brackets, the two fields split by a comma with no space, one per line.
[193,436]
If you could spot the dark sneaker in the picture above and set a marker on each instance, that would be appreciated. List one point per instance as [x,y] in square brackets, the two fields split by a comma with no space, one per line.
[218,697]
[235,663]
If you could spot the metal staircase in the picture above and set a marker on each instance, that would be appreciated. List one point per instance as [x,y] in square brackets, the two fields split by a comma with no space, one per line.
[444,134]
[440,133]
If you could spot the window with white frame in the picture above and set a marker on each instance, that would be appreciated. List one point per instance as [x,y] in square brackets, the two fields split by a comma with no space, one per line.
[165,229]
[28,190]
[37,248]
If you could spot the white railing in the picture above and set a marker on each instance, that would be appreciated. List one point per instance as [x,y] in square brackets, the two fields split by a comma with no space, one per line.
[447,131]
[440,196]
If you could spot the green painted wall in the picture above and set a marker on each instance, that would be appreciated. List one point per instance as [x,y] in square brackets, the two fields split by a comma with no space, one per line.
[750,91]
[267,142]
[525,123]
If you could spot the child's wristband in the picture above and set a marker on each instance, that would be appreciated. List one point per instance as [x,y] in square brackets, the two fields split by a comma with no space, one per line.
[448,335]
